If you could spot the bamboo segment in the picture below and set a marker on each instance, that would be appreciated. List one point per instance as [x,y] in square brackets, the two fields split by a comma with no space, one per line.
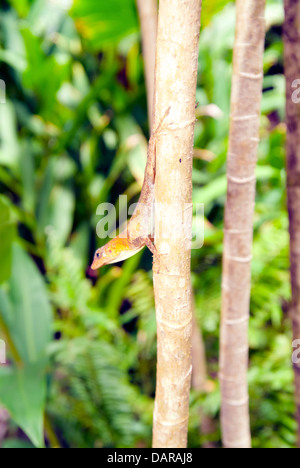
[148,18]
[238,233]
[292,73]
[176,76]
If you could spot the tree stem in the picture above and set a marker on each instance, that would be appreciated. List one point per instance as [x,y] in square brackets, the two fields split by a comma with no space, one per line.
[238,232]
[292,73]
[148,19]
[175,89]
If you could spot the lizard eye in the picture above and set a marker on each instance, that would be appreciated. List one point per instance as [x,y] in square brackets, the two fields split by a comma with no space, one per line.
[97,255]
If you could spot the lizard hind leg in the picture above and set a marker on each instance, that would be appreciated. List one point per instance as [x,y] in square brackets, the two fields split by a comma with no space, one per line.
[153,249]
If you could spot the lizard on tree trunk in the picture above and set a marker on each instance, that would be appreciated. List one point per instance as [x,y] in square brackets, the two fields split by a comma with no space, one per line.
[139,231]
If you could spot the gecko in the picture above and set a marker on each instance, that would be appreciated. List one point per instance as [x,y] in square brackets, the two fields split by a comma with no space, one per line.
[137,233]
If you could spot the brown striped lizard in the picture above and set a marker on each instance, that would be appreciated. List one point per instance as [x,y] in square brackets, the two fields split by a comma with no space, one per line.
[137,233]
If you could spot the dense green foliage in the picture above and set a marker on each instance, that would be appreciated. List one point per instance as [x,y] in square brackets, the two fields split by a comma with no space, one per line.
[81,348]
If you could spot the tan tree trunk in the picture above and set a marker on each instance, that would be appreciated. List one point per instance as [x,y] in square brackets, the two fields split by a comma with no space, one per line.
[238,232]
[176,76]
[148,19]
[292,73]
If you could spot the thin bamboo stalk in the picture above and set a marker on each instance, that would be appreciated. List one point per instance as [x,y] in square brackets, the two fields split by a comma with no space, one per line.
[175,89]
[292,73]
[238,232]
[148,19]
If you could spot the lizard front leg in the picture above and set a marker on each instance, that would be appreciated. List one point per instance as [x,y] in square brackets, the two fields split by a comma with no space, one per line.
[146,240]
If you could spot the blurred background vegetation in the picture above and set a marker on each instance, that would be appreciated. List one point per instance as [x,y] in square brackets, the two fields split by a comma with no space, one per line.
[81,350]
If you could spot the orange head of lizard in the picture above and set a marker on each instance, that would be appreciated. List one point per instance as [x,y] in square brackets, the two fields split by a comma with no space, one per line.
[115,250]
[101,258]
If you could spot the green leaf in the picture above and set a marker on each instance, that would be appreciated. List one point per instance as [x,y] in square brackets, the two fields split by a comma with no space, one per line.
[16,443]
[211,191]
[13,41]
[21,6]
[44,198]
[217,187]
[23,393]
[274,13]
[9,147]
[61,212]
[7,234]
[210,8]
[80,243]
[26,309]
[13,60]
[27,176]
[102,22]
[43,77]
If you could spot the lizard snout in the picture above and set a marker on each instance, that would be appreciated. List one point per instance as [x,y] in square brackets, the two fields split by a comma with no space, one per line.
[98,261]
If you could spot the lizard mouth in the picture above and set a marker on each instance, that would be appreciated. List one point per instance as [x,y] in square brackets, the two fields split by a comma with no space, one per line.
[97,264]
[94,266]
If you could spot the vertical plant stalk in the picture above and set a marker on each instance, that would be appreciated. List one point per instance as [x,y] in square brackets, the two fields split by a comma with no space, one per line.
[175,89]
[292,73]
[148,19]
[238,231]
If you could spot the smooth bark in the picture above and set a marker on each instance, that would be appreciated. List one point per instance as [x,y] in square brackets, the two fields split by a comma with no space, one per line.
[238,232]
[148,19]
[175,89]
[292,74]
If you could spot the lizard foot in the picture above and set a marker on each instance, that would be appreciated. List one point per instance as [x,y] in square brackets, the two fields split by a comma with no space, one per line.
[156,263]
[153,249]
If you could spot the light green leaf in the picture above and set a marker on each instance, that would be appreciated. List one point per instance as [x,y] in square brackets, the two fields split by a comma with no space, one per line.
[26,309]
[12,443]
[23,393]
[61,212]
[210,8]
[80,243]
[7,234]
[217,187]
[9,147]
[27,176]
[44,199]
[13,59]
[21,6]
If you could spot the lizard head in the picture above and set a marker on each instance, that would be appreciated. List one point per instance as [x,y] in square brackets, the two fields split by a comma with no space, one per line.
[101,258]
[114,251]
